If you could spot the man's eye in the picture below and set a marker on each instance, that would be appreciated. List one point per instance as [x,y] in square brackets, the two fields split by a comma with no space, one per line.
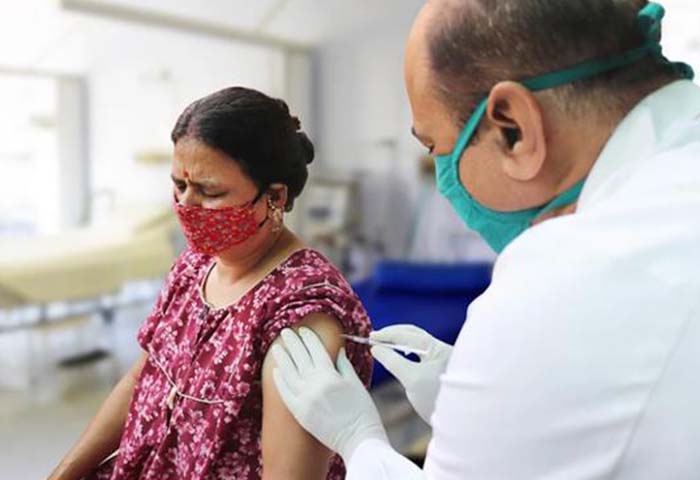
[431,149]
[180,186]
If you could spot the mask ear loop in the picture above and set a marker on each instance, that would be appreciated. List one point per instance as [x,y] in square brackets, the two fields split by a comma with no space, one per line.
[255,200]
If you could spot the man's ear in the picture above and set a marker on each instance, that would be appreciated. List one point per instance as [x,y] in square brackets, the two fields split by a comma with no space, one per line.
[278,193]
[514,110]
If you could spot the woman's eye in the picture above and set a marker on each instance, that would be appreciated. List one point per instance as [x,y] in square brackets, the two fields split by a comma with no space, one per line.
[180,187]
[213,195]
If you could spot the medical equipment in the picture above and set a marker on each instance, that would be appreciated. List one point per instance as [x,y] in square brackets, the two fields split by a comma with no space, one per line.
[394,346]
[329,215]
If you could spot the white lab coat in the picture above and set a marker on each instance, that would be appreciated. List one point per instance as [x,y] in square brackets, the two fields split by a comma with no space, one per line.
[582,360]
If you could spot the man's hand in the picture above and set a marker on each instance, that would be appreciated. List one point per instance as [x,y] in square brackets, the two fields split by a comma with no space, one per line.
[420,379]
[331,404]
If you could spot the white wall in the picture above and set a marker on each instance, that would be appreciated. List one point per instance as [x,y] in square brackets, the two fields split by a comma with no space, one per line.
[29,154]
[681,32]
[363,123]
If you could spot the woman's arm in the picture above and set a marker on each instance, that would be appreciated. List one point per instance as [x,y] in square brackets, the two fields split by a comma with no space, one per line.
[102,435]
[289,452]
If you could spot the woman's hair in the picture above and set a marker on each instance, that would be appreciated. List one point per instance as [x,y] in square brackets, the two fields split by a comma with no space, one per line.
[256,131]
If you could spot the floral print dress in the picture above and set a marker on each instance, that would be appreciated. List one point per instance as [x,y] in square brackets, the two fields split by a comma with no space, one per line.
[196,411]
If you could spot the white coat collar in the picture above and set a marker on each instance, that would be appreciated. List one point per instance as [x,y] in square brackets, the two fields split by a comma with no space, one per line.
[640,134]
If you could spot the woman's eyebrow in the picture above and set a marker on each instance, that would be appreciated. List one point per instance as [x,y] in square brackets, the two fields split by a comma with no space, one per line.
[205,183]
[200,183]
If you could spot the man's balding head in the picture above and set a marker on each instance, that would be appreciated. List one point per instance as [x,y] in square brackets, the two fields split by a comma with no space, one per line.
[473,44]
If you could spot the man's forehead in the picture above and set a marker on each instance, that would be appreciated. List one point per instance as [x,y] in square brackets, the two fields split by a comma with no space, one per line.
[417,60]
[426,25]
[435,14]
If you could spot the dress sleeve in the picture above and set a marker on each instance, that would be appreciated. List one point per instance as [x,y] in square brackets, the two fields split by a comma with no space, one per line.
[313,298]
[327,297]
[148,327]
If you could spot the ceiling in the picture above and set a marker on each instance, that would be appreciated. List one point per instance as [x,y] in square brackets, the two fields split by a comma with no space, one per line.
[45,34]
[300,22]
[310,22]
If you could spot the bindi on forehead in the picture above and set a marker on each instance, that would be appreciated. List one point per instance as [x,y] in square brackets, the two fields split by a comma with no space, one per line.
[203,182]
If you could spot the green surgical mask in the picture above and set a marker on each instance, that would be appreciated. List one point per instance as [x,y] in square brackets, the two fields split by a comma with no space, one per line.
[501,228]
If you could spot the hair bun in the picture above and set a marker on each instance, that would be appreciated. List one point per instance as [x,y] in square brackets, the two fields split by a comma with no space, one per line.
[307,147]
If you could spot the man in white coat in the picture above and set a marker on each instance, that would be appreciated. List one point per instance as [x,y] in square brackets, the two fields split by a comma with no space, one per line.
[564,136]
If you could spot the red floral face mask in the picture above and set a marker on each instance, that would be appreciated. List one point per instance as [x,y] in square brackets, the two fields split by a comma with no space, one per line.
[214,230]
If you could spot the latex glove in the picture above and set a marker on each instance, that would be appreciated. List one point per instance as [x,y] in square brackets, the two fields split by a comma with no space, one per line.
[420,379]
[329,401]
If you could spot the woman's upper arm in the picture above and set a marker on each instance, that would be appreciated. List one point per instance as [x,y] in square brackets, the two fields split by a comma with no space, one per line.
[288,451]
[136,368]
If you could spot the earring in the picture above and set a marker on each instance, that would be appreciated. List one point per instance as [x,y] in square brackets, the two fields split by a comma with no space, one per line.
[276,216]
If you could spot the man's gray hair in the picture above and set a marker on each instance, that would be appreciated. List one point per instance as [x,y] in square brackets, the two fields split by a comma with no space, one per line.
[477,43]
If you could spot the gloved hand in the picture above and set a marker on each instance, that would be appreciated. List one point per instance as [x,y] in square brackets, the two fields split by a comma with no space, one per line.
[420,379]
[333,405]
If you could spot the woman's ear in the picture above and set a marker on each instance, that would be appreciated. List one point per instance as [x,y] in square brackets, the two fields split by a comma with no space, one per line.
[278,193]
[515,111]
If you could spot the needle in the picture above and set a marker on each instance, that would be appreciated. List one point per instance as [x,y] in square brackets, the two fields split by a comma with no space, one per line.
[368,341]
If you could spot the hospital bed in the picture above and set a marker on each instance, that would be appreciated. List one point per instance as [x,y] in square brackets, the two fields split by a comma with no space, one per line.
[87,263]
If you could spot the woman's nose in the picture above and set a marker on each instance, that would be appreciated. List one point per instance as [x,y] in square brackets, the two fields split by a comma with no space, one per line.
[186,198]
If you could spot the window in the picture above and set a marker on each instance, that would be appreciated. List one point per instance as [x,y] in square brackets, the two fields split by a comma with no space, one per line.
[28,155]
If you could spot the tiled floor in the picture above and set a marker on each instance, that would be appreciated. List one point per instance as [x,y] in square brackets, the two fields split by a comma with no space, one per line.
[34,438]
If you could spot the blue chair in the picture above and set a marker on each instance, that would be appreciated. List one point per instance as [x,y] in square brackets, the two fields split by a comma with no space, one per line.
[433,297]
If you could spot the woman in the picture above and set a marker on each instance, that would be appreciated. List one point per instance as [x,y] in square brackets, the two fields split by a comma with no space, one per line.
[201,402]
